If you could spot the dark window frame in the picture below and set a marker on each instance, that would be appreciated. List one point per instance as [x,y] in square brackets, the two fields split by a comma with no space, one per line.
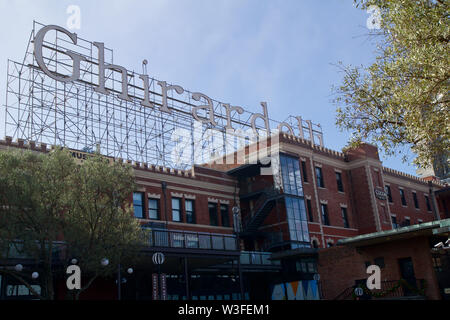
[142,205]
[150,200]
[304,171]
[389,193]
[180,211]
[403,197]
[309,209]
[340,183]
[345,217]
[427,202]
[415,200]
[224,219]
[190,214]
[325,215]
[394,222]
[319,177]
[216,216]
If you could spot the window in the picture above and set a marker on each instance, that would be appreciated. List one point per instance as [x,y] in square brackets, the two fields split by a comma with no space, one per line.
[224,215]
[416,203]
[315,244]
[319,177]
[325,219]
[394,222]
[340,186]
[427,201]
[407,222]
[138,204]
[329,244]
[212,208]
[306,266]
[344,217]
[290,170]
[309,208]
[402,196]
[153,209]
[304,172]
[389,194]
[176,209]
[189,209]
[297,221]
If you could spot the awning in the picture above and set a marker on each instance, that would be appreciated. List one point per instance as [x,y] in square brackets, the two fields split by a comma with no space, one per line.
[423,229]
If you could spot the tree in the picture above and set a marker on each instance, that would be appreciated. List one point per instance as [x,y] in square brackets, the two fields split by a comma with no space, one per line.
[402,99]
[102,224]
[32,189]
[53,209]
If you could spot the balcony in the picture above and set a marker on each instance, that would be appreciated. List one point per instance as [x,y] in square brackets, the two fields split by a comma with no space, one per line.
[190,240]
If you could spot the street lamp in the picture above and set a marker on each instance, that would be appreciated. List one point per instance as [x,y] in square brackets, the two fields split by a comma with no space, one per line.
[237,230]
[119,280]
[104,262]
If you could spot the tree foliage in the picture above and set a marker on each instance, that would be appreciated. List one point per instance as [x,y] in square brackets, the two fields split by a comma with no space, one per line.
[402,99]
[53,209]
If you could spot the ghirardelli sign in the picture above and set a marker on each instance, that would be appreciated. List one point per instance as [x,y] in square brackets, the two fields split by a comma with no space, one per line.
[207,117]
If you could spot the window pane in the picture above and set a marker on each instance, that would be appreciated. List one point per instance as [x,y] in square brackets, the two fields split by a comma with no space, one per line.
[138,204]
[176,213]
[188,205]
[213,214]
[153,204]
[153,209]
[190,215]
[224,214]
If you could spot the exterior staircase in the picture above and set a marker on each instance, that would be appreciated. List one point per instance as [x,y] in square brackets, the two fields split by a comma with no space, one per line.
[262,208]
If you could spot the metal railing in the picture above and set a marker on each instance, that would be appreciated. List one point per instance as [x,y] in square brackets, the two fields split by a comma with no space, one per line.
[393,289]
[266,194]
[190,240]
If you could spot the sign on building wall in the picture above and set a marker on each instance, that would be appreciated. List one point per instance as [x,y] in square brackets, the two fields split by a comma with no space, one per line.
[70,92]
[296,290]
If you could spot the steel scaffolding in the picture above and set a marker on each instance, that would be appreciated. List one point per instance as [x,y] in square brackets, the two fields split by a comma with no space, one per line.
[41,109]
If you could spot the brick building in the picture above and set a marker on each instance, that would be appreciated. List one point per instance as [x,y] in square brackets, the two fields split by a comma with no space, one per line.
[286,228]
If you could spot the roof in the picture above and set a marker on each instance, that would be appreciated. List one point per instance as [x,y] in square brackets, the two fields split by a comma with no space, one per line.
[423,229]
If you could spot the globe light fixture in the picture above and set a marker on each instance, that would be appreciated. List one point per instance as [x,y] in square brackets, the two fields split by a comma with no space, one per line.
[130,270]
[104,262]
[35,275]
[74,261]
[18,267]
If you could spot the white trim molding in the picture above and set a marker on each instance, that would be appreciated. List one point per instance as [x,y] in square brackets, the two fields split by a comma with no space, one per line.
[176,195]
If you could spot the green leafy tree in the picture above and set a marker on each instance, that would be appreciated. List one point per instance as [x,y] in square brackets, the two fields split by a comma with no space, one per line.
[402,99]
[53,209]
[32,188]
[102,224]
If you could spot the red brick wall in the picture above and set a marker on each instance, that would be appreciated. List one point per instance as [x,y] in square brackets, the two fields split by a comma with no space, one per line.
[340,266]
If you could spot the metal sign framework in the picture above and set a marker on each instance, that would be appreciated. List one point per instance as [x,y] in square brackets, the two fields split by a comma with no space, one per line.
[71,114]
